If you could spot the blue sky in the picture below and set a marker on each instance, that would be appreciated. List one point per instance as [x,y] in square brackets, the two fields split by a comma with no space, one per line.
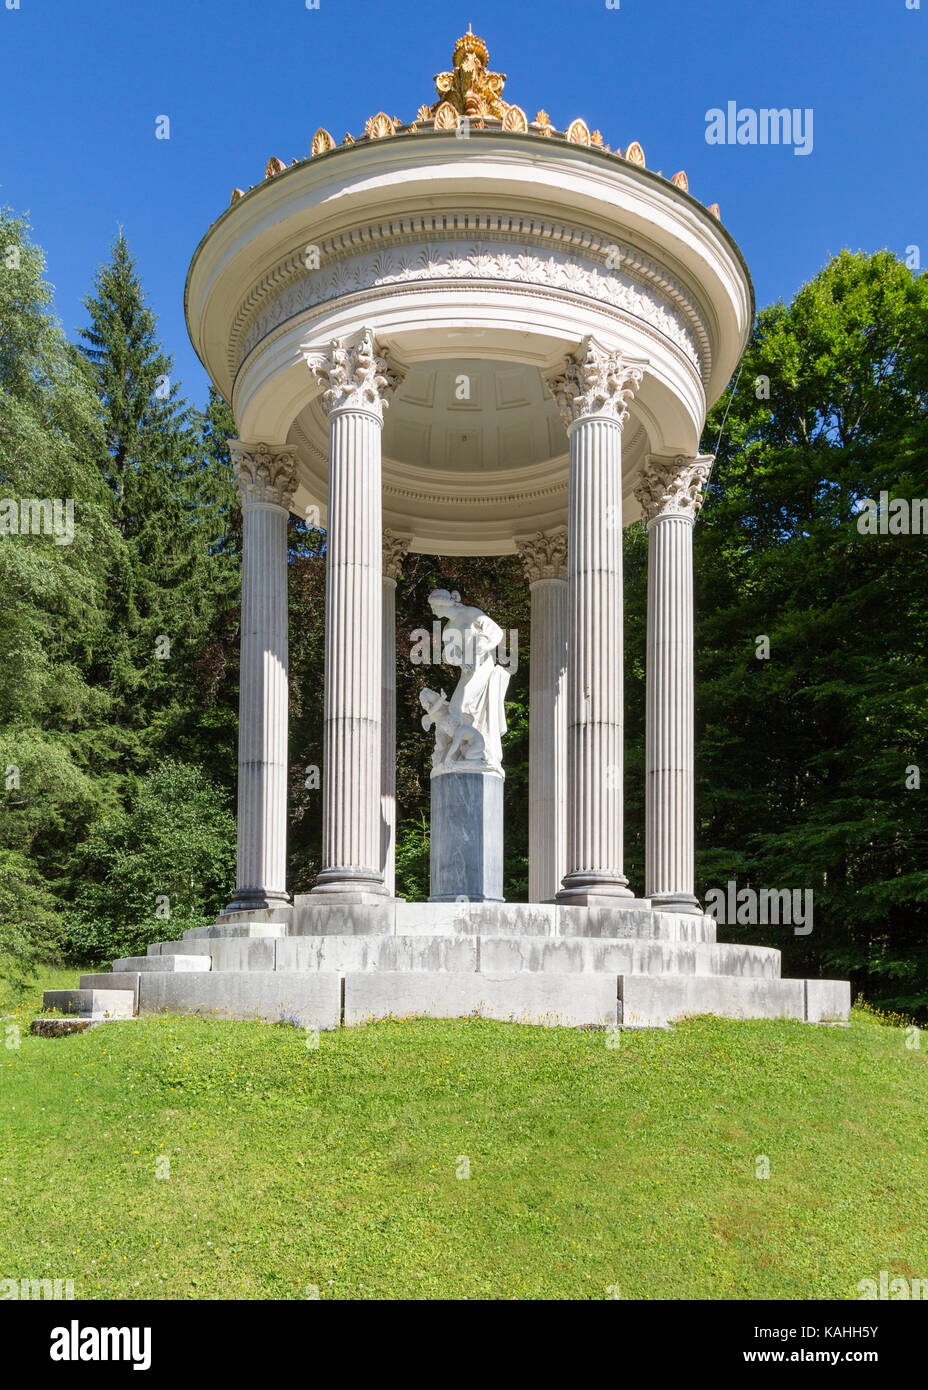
[83,82]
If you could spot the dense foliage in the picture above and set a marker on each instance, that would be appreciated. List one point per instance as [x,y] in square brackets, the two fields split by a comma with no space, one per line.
[118,684]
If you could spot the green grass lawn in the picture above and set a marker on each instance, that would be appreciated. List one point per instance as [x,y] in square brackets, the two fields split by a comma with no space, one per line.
[595,1171]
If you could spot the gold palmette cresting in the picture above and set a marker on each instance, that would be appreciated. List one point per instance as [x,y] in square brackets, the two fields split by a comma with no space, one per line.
[471,96]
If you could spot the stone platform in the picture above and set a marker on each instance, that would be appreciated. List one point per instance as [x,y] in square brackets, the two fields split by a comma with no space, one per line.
[327,965]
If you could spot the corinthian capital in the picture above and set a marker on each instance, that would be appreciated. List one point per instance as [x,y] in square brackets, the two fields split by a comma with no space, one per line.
[264,472]
[596,382]
[394,548]
[356,377]
[673,487]
[544,555]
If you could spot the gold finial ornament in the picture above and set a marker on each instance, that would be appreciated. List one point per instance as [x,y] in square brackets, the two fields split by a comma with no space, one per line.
[379,126]
[470,88]
[578,133]
[471,96]
[322,141]
[446,116]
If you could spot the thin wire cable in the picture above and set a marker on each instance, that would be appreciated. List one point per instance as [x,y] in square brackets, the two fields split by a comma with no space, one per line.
[715,452]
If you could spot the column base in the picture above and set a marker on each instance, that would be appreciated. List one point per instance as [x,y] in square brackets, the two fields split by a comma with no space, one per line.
[675,902]
[256,900]
[592,890]
[350,886]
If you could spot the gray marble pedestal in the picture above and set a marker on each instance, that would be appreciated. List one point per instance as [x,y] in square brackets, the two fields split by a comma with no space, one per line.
[466,859]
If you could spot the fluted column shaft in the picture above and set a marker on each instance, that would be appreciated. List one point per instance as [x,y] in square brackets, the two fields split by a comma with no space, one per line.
[388,737]
[592,394]
[669,872]
[394,548]
[544,559]
[671,494]
[353,643]
[547,735]
[594,662]
[266,479]
[357,382]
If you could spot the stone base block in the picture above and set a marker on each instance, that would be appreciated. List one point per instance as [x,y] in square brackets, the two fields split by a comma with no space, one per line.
[381,953]
[309,1000]
[121,980]
[224,928]
[108,1002]
[828,1001]
[635,920]
[314,918]
[466,845]
[568,955]
[653,1001]
[573,1000]
[173,960]
[475,919]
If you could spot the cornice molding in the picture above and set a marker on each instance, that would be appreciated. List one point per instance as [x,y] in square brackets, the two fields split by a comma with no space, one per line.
[473,246]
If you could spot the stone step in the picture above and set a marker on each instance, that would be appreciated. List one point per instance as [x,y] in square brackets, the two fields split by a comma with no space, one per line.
[234,929]
[501,954]
[510,955]
[93,1001]
[654,1001]
[571,1000]
[322,999]
[309,1000]
[635,920]
[123,980]
[175,960]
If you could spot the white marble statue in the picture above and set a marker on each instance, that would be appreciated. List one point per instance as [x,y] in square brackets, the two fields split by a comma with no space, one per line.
[468,727]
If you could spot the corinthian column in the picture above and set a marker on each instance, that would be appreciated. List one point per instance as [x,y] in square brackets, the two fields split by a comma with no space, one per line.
[671,494]
[394,548]
[593,395]
[544,559]
[358,385]
[266,478]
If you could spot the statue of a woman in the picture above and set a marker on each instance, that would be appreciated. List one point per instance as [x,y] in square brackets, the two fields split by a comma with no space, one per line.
[470,640]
